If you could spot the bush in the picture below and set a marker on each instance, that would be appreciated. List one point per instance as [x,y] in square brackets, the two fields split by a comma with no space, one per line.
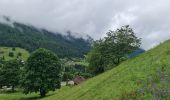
[11,54]
[19,54]
[13,49]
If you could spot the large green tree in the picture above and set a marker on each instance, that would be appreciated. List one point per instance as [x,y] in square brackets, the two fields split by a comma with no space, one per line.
[112,48]
[42,72]
[96,59]
[121,42]
[10,73]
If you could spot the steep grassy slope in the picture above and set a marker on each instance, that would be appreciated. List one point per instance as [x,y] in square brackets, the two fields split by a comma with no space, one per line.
[4,52]
[145,77]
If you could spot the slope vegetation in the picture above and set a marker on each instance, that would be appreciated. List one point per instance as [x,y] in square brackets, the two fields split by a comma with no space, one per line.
[145,77]
[17,52]
[31,38]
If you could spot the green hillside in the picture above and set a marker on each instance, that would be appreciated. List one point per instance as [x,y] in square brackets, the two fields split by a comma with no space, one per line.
[145,77]
[32,38]
[21,53]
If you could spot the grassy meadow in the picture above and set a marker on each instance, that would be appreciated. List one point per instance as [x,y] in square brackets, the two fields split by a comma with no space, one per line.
[4,51]
[145,77]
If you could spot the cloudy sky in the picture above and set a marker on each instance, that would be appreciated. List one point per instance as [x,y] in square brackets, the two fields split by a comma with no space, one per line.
[149,18]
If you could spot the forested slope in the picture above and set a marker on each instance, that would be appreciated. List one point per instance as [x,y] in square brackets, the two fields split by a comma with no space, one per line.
[31,38]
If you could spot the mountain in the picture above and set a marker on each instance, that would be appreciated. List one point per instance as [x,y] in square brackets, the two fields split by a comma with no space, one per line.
[31,38]
[144,77]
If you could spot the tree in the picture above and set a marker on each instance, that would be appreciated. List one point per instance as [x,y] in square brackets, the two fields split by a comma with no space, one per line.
[96,61]
[10,73]
[42,72]
[2,59]
[1,81]
[121,42]
[113,48]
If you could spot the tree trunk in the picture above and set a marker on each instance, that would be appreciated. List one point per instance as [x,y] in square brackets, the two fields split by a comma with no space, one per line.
[117,61]
[13,88]
[42,92]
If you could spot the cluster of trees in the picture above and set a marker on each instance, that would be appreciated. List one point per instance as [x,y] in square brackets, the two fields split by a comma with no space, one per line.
[41,73]
[31,38]
[10,73]
[112,49]
[71,69]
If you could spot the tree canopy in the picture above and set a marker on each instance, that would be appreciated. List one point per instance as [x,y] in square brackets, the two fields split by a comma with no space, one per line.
[10,73]
[113,48]
[32,38]
[42,72]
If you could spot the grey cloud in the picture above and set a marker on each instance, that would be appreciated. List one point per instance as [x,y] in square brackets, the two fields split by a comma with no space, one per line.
[149,18]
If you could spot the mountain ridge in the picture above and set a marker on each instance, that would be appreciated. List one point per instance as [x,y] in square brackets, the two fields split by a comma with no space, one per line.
[31,38]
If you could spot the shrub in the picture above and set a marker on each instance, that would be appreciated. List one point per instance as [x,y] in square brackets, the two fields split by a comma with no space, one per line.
[11,54]
[13,49]
[19,54]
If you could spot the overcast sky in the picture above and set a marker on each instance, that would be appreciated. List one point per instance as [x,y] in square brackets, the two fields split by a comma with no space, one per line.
[149,18]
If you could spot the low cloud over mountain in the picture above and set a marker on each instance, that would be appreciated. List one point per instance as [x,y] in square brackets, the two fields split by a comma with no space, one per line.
[149,18]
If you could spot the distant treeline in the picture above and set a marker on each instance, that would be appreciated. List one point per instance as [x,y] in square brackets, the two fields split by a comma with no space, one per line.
[31,38]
